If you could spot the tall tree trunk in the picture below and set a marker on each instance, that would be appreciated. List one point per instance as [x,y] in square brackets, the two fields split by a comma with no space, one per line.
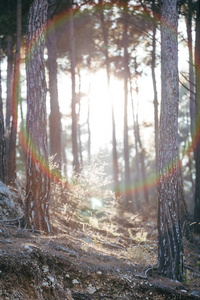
[153,67]
[114,141]
[115,157]
[191,85]
[9,82]
[11,163]
[9,99]
[38,180]
[137,159]
[2,134]
[142,162]
[80,150]
[197,120]
[191,68]
[170,246]
[127,189]
[76,164]
[89,131]
[55,127]
[64,156]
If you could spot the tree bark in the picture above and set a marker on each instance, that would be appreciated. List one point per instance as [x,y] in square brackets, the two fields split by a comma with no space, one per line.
[114,141]
[2,135]
[55,127]
[76,163]
[89,131]
[170,247]
[197,121]
[9,100]
[38,180]
[127,188]
[9,83]
[137,159]
[11,162]
[191,68]
[80,150]
[153,67]
[191,87]
[142,162]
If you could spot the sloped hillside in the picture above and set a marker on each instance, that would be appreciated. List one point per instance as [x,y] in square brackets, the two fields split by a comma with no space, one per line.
[91,255]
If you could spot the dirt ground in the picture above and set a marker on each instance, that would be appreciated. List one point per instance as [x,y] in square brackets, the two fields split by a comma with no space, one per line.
[100,255]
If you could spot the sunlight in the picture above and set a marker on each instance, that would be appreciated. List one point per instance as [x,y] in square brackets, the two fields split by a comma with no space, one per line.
[94,89]
[96,203]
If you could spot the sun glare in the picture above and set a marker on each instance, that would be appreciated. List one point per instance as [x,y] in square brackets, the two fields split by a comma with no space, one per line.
[95,91]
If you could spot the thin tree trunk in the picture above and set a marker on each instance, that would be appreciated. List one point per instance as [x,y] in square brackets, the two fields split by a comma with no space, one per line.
[9,82]
[11,163]
[137,159]
[142,162]
[55,116]
[38,180]
[73,77]
[197,133]
[2,136]
[89,131]
[153,67]
[170,246]
[191,85]
[127,188]
[114,141]
[191,68]
[115,158]
[9,99]
[64,156]
[78,119]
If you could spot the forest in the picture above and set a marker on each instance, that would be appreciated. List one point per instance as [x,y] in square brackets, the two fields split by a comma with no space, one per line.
[99,149]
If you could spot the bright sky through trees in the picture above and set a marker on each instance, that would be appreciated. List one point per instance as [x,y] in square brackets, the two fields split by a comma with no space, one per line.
[95,90]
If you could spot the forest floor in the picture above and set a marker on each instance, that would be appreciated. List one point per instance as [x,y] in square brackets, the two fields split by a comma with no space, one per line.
[97,256]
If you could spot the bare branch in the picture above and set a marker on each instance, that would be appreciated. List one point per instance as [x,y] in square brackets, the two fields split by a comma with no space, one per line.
[187,88]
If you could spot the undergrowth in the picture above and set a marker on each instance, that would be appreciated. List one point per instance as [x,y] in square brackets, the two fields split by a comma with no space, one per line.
[85,195]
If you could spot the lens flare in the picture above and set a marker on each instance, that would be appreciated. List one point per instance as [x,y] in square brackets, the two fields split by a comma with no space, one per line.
[81,19]
[96,203]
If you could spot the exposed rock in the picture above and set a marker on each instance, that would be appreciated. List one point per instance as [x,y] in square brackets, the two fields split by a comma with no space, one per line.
[10,206]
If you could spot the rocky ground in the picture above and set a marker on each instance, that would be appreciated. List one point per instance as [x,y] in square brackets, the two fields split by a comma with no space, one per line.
[90,256]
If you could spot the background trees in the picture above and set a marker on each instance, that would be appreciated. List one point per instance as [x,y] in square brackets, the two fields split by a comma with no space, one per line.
[197,118]
[108,51]
[55,130]
[2,132]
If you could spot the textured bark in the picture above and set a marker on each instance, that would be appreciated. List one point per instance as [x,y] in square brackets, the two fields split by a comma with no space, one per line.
[142,162]
[191,86]
[197,120]
[191,68]
[127,193]
[38,181]
[170,247]
[115,158]
[9,100]
[137,159]
[114,141]
[140,152]
[55,116]
[11,162]
[153,66]
[2,137]
[89,132]
[79,125]
[76,163]
[9,81]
